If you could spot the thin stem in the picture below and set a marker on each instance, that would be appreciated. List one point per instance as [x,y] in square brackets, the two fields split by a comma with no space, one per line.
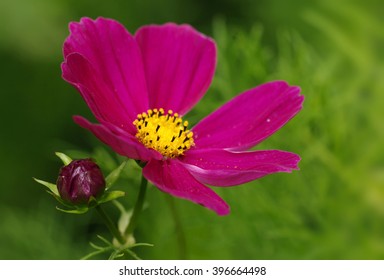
[179,228]
[138,207]
[111,226]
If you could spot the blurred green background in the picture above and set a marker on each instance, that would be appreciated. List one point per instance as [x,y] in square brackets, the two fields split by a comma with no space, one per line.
[333,208]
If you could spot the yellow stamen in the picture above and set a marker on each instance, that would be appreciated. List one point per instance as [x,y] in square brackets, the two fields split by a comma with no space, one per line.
[165,133]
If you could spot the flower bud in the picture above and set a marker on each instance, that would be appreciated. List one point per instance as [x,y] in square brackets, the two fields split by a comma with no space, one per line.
[79,181]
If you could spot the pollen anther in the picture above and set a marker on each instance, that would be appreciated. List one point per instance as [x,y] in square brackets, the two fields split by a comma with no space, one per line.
[165,133]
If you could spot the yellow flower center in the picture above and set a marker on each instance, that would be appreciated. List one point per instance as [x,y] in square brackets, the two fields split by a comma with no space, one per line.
[165,133]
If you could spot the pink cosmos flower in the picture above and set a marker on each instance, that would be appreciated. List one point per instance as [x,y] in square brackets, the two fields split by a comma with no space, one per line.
[139,86]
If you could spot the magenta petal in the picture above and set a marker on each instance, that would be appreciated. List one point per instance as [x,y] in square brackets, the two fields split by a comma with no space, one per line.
[96,93]
[170,176]
[250,117]
[226,168]
[112,63]
[119,140]
[179,64]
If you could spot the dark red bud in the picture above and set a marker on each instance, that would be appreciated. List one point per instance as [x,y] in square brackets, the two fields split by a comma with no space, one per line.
[80,180]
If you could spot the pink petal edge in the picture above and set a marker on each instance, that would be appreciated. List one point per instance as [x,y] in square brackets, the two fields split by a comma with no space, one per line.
[111,68]
[250,117]
[170,176]
[82,75]
[119,140]
[179,64]
[224,168]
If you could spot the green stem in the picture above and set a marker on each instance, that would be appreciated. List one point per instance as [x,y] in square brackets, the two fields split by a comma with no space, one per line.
[138,207]
[111,226]
[179,228]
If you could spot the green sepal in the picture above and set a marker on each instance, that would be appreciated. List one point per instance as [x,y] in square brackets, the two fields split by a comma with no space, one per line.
[114,175]
[78,210]
[108,196]
[92,202]
[59,199]
[73,209]
[50,186]
[64,158]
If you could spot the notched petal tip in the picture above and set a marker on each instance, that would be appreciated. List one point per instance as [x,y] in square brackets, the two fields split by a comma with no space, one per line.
[295,162]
